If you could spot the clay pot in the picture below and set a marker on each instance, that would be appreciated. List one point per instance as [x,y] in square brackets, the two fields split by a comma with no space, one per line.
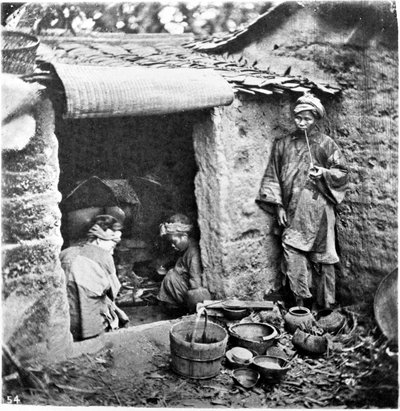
[79,221]
[253,336]
[313,344]
[271,368]
[298,317]
[116,212]
[330,321]
[234,314]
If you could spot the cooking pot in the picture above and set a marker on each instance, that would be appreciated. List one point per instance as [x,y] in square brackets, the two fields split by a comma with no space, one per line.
[253,336]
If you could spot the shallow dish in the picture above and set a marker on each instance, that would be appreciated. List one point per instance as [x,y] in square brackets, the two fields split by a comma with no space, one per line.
[239,356]
[246,377]
[271,368]
[234,313]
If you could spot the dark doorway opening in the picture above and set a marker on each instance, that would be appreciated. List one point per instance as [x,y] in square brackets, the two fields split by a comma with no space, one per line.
[155,155]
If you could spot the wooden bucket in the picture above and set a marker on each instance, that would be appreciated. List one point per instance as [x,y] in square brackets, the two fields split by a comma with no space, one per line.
[197,360]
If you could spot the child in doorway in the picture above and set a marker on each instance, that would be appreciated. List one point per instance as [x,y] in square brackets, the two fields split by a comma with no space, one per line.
[92,283]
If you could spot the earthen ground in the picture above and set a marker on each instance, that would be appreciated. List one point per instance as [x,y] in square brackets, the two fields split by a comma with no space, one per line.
[131,367]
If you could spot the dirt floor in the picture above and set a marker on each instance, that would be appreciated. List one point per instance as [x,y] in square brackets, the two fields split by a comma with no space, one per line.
[134,369]
[146,314]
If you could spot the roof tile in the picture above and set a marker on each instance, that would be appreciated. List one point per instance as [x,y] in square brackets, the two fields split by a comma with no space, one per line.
[243,77]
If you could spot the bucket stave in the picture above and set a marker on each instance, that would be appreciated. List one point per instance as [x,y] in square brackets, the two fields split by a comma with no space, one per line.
[197,360]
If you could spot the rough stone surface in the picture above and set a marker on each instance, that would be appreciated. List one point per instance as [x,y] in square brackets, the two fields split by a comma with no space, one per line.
[30,257]
[35,306]
[240,250]
[30,182]
[32,218]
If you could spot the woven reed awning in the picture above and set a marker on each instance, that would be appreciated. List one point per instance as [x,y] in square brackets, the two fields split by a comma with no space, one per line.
[96,91]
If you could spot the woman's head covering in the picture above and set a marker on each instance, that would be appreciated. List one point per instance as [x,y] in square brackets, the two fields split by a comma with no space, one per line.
[311,103]
[105,227]
[108,235]
[177,224]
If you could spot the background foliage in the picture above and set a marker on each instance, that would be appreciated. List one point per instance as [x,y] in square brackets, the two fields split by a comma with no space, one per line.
[199,17]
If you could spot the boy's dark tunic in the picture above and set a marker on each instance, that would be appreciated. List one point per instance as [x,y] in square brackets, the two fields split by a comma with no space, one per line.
[309,205]
[186,275]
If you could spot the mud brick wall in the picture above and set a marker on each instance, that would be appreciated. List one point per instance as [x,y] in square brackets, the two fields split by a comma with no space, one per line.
[366,126]
[35,307]
[362,59]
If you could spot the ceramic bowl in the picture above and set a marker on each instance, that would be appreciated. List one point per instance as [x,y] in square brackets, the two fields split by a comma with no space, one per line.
[246,377]
[234,313]
[253,336]
[239,355]
[271,368]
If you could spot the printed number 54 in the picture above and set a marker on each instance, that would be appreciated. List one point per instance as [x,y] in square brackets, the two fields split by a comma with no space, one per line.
[13,400]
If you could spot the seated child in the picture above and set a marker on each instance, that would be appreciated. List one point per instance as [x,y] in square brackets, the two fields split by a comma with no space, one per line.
[185,284]
[92,283]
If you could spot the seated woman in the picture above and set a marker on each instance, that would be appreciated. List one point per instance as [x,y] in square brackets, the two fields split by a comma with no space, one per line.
[92,283]
[185,284]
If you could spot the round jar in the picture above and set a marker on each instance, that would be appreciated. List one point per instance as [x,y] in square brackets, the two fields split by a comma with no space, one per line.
[298,316]
[330,321]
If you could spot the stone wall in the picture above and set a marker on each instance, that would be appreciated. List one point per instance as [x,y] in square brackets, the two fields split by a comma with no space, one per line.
[240,248]
[364,122]
[35,307]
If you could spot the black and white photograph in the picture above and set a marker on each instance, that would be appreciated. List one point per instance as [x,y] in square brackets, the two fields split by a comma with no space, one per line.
[200,204]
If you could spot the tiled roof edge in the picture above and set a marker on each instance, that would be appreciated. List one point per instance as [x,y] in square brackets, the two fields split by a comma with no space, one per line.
[264,23]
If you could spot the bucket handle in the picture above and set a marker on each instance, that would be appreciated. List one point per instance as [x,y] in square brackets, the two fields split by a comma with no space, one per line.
[198,316]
